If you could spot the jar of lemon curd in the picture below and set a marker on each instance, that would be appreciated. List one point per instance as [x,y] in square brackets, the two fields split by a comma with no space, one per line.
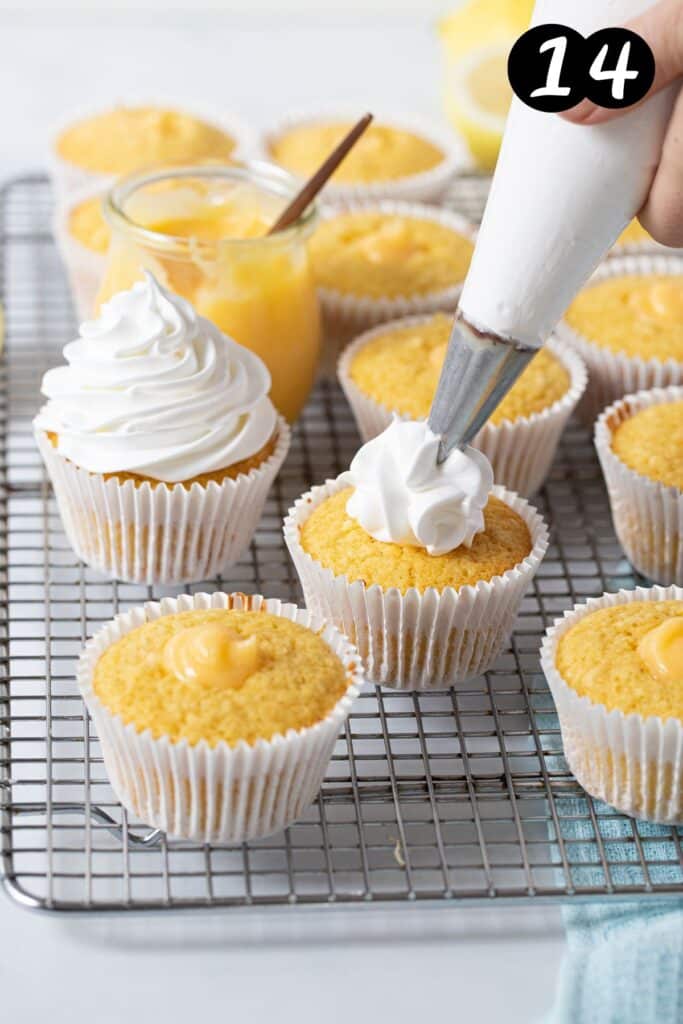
[203,232]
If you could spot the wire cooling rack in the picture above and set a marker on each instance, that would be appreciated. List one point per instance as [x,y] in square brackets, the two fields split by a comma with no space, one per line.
[461,795]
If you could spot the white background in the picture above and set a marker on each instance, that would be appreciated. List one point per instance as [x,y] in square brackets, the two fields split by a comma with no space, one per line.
[444,964]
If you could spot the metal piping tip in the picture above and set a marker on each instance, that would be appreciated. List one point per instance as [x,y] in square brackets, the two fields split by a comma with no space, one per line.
[479,370]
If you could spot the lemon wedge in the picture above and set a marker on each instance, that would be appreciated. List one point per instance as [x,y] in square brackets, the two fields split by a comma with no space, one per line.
[478,98]
[477,40]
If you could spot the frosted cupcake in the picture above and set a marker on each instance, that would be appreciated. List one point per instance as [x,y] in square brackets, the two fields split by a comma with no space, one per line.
[93,148]
[423,566]
[218,713]
[615,669]
[376,262]
[395,368]
[640,444]
[392,160]
[160,440]
[627,326]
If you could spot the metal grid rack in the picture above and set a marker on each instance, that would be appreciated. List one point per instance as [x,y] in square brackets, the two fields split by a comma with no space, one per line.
[461,795]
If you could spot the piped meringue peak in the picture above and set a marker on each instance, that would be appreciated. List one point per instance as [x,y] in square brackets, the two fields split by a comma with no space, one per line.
[150,387]
[402,496]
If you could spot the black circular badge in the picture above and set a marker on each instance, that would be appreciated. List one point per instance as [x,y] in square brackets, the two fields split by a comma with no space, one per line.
[553,67]
[620,68]
[547,68]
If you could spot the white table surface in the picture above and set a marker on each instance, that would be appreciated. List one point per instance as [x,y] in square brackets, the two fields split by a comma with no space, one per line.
[492,964]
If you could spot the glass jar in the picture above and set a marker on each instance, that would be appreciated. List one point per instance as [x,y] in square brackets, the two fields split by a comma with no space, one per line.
[259,290]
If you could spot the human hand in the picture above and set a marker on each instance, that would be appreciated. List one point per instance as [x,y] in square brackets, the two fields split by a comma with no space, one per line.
[662,28]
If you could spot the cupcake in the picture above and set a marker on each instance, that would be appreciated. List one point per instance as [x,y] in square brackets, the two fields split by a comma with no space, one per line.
[640,444]
[98,146]
[635,240]
[217,714]
[394,370]
[160,440]
[391,160]
[626,325]
[423,566]
[82,236]
[375,262]
[615,667]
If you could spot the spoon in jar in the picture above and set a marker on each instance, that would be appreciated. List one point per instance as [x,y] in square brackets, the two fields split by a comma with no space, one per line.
[319,178]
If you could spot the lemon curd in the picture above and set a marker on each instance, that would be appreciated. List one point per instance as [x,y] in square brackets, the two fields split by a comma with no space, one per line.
[202,232]
[118,141]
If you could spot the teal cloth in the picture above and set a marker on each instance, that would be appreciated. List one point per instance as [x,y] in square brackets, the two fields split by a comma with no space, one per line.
[624,961]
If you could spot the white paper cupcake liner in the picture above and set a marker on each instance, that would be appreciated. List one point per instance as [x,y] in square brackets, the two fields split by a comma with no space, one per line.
[611,375]
[427,187]
[345,316]
[222,793]
[416,640]
[632,763]
[648,515]
[84,267]
[68,178]
[520,451]
[160,534]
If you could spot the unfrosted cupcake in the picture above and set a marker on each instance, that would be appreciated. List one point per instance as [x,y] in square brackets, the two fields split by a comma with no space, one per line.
[627,325]
[82,236]
[615,669]
[374,262]
[394,370]
[393,159]
[640,444]
[92,148]
[160,440]
[423,566]
[218,713]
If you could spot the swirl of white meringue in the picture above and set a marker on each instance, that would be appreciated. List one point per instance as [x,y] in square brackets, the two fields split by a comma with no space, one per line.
[150,387]
[402,496]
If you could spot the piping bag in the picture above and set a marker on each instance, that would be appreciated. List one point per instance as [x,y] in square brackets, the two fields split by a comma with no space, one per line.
[561,196]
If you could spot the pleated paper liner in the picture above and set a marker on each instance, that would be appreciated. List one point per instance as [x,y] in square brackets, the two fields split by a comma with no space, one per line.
[417,640]
[222,793]
[635,764]
[163,533]
[648,515]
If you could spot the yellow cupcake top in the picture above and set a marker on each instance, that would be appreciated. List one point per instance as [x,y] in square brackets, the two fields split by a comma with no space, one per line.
[87,225]
[339,543]
[375,254]
[638,315]
[400,369]
[651,443]
[383,153]
[633,234]
[220,675]
[606,657]
[123,139]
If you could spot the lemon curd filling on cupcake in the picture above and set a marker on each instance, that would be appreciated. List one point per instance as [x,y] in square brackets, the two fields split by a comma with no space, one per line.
[120,140]
[374,254]
[383,153]
[628,657]
[400,369]
[651,443]
[406,522]
[639,316]
[220,675]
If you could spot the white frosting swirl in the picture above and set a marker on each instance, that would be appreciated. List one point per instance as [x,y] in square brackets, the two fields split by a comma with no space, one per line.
[152,388]
[402,496]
